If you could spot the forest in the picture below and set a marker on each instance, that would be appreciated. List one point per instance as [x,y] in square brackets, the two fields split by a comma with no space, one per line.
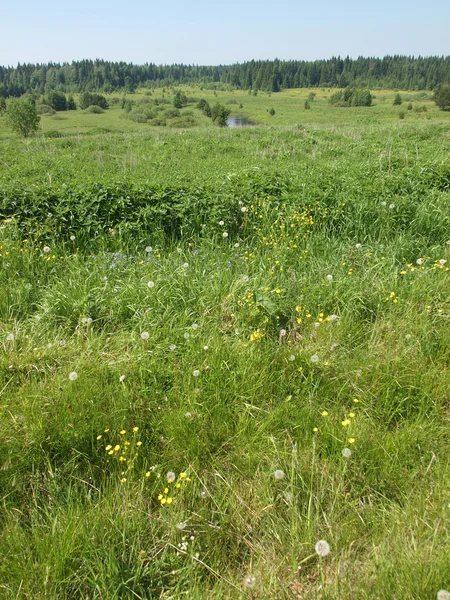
[389,72]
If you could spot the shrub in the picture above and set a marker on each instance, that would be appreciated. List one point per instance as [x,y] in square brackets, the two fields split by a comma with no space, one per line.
[352,97]
[94,109]
[53,134]
[138,118]
[397,100]
[45,109]
[21,116]
[181,122]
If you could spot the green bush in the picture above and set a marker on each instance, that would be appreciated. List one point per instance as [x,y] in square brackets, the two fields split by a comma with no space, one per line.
[94,109]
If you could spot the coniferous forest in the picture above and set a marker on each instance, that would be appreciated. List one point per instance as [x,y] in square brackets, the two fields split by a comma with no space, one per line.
[403,72]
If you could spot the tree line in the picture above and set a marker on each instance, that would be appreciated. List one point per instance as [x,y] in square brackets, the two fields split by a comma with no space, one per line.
[403,72]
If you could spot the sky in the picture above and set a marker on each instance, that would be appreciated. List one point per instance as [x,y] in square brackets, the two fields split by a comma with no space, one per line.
[211,33]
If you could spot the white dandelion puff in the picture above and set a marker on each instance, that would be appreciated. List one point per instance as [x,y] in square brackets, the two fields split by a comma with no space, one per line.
[72,238]
[46,249]
[151,284]
[170,476]
[236,245]
[181,526]
[314,358]
[186,335]
[221,223]
[244,209]
[332,318]
[443,595]
[122,378]
[73,376]
[442,261]
[194,326]
[330,277]
[249,581]
[358,246]
[322,548]
[283,332]
[196,373]
[205,348]
[383,203]
[278,475]
[145,335]
[225,234]
[419,261]
[346,452]
[391,206]
[10,337]
[185,266]
[292,357]
[172,347]
[148,249]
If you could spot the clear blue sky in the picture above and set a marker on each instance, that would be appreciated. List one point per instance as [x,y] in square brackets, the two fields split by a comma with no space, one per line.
[201,32]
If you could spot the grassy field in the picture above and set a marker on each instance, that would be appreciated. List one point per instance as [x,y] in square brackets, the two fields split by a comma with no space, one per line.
[220,347]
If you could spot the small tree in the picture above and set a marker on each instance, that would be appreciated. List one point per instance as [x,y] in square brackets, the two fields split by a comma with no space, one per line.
[272,112]
[57,100]
[220,114]
[21,116]
[442,96]
[71,104]
[397,100]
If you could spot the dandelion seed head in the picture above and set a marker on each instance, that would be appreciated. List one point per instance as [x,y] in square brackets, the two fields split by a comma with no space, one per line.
[322,548]
[346,452]
[316,325]
[205,348]
[148,249]
[408,336]
[185,266]
[170,476]
[46,249]
[332,318]
[172,347]
[151,284]
[383,203]
[314,358]
[278,475]
[442,261]
[203,494]
[181,526]
[10,337]
[244,209]
[196,373]
[236,245]
[225,234]
[122,378]
[249,581]
[73,376]
[221,223]
[194,326]
[292,357]
[330,277]
[186,335]
[72,238]
[283,332]
[419,261]
[358,246]
[145,335]
[443,595]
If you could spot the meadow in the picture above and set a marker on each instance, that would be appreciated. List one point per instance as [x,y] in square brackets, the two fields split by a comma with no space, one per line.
[224,353]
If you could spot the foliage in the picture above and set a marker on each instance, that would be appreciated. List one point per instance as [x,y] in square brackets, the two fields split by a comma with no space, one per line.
[401,72]
[88,99]
[220,370]
[397,100]
[352,97]
[71,104]
[442,97]
[21,116]
[57,100]
[220,114]
[94,109]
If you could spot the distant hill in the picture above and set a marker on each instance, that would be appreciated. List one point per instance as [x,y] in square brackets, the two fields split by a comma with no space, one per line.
[389,72]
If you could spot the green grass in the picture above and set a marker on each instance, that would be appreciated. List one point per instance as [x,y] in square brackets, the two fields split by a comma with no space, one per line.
[252,361]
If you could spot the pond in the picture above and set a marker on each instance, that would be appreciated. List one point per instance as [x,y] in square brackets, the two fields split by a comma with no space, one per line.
[239,121]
